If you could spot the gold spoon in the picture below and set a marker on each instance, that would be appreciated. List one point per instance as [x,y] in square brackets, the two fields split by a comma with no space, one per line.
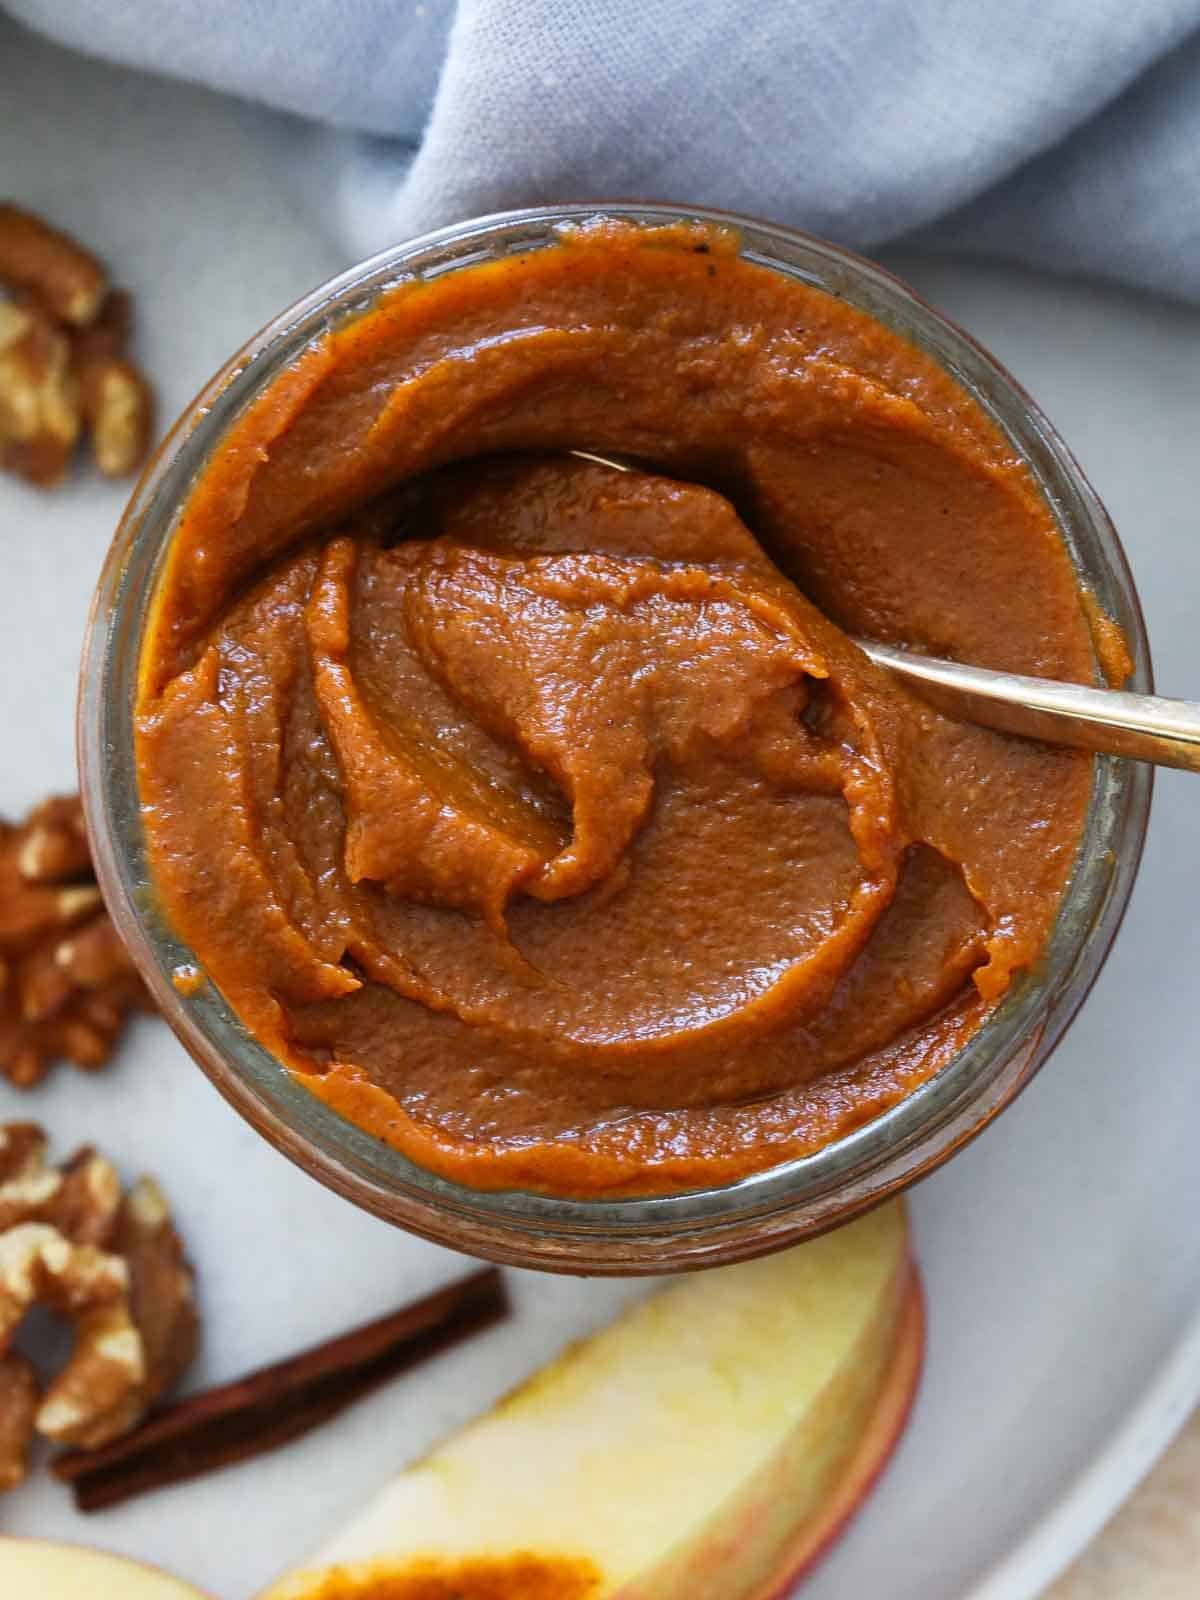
[1145,727]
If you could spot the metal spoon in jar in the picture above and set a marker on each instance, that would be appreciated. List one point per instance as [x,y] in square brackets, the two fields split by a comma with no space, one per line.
[1145,727]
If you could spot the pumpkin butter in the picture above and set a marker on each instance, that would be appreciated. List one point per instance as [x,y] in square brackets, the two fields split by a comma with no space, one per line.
[542,818]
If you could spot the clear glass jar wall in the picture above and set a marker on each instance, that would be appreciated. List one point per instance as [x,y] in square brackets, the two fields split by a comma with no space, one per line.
[702,1228]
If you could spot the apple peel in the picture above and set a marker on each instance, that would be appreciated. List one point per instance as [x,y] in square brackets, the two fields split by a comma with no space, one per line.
[875,1449]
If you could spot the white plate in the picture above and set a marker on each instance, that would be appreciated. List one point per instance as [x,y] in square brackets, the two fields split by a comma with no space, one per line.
[1061,1253]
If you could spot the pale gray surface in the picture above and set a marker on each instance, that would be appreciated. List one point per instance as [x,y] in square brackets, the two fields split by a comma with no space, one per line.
[1060,1253]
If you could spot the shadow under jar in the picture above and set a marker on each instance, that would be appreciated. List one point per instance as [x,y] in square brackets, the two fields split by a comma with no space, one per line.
[878,1149]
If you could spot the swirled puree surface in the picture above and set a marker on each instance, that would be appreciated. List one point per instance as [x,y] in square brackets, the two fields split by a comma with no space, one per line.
[542,818]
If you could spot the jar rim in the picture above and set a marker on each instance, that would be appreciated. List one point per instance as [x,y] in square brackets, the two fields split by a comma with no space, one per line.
[764,1210]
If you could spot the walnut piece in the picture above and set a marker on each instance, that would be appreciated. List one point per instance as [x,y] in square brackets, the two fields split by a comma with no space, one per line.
[82,1199]
[18,1408]
[112,1266]
[38,258]
[67,982]
[117,402]
[161,1294]
[63,358]
[40,407]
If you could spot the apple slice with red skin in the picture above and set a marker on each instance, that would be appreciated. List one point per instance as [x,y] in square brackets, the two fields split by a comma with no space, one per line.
[710,1444]
[879,1439]
[35,1569]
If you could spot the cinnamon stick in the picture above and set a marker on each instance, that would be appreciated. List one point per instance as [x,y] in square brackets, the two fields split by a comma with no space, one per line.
[275,1404]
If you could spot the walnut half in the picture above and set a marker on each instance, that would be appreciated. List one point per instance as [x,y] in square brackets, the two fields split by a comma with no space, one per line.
[114,1267]
[67,982]
[64,364]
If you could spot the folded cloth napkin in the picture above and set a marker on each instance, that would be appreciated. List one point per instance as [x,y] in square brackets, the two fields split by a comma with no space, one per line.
[1065,133]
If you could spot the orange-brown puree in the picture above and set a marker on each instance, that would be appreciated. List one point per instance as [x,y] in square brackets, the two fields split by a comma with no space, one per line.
[542,817]
[519,1577]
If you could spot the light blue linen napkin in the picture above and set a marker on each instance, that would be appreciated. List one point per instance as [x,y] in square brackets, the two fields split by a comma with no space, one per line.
[1065,133]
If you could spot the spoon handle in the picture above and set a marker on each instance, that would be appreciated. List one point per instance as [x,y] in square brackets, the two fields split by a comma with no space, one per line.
[1147,727]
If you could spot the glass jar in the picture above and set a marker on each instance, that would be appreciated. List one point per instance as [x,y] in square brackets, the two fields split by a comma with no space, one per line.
[759,1213]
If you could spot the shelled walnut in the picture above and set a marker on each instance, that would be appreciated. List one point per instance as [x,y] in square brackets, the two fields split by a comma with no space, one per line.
[111,1264]
[66,980]
[63,357]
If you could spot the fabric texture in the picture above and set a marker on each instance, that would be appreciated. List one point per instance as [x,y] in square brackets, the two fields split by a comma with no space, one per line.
[1064,133]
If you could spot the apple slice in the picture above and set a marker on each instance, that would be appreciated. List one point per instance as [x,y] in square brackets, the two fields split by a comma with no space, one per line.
[709,1445]
[32,1569]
